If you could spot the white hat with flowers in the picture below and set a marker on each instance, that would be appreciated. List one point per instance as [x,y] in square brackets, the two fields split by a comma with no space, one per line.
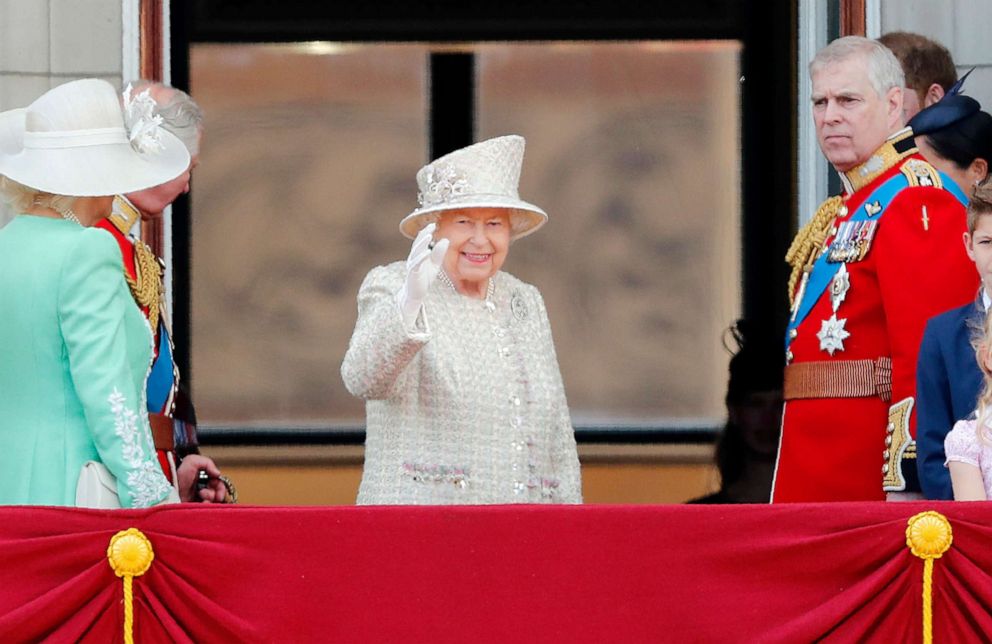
[77,140]
[482,175]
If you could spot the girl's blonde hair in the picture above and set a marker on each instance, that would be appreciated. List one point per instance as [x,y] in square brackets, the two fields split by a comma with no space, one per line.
[982,342]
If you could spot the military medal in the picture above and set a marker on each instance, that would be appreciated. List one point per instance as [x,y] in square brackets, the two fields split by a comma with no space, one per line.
[832,334]
[839,286]
[853,241]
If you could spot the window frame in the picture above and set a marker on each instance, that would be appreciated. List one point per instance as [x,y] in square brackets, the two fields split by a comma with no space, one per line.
[768,132]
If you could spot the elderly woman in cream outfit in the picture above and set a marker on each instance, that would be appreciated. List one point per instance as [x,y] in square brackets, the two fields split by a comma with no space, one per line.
[74,348]
[465,402]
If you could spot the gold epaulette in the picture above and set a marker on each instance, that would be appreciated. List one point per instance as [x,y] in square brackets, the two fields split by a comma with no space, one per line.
[805,248]
[920,173]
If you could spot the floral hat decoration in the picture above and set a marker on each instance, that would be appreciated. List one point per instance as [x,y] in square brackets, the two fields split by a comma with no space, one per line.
[482,175]
[77,142]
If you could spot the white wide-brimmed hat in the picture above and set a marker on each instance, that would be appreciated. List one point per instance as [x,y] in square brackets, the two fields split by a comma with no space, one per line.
[482,175]
[75,143]
[12,130]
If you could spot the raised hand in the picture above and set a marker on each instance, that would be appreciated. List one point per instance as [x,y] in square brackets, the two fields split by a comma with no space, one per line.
[422,265]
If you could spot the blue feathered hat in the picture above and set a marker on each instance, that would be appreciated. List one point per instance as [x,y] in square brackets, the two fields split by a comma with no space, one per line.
[950,109]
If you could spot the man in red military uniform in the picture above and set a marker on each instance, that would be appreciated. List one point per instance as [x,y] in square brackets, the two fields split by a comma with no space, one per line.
[869,269]
[170,413]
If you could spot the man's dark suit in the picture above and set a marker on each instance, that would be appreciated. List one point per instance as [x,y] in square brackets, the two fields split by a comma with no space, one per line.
[947,383]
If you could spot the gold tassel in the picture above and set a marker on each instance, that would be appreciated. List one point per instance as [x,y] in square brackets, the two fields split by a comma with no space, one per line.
[928,536]
[130,554]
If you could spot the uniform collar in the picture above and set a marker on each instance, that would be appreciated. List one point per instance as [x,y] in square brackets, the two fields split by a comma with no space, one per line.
[896,148]
[125,215]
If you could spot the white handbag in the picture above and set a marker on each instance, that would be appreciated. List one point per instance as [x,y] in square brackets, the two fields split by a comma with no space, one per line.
[97,487]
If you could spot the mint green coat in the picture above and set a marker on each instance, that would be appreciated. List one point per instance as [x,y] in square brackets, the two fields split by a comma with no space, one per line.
[74,354]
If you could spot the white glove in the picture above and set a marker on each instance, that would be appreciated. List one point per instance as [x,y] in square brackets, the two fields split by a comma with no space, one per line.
[421,268]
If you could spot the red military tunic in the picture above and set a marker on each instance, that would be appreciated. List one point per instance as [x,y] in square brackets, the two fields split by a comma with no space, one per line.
[148,298]
[841,428]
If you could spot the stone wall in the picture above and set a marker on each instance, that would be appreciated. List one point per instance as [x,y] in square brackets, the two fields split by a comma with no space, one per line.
[44,43]
[959,25]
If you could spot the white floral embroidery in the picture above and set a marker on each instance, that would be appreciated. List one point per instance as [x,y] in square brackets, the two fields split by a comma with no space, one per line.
[145,481]
[148,485]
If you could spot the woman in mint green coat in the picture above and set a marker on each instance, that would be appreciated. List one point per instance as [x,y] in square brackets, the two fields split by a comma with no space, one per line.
[74,348]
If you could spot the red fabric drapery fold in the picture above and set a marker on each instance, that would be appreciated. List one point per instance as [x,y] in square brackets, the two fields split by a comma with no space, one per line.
[838,572]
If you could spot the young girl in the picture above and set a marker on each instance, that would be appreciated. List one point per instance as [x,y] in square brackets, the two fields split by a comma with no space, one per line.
[969,444]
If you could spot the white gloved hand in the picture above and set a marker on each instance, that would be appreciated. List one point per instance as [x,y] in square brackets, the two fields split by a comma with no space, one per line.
[421,268]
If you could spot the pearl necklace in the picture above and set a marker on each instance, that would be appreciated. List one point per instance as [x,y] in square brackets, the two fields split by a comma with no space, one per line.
[68,215]
[490,288]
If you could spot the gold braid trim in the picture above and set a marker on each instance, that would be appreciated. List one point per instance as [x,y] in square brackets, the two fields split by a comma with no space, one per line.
[806,246]
[147,287]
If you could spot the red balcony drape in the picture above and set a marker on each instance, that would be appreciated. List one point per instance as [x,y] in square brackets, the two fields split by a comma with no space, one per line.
[838,572]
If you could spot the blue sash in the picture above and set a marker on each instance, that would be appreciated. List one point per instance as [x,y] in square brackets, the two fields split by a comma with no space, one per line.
[161,380]
[953,188]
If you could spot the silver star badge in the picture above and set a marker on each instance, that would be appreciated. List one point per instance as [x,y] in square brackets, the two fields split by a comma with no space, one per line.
[839,286]
[832,334]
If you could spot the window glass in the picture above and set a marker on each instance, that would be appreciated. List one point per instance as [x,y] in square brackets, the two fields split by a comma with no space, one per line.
[306,168]
[632,149]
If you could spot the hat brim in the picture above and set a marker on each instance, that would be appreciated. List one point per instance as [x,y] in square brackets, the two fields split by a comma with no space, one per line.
[12,130]
[525,217]
[96,170]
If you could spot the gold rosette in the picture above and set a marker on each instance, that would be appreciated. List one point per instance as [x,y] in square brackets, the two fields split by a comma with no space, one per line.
[130,554]
[928,536]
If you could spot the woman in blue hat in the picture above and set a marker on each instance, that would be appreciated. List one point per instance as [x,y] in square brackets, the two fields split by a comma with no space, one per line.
[955,135]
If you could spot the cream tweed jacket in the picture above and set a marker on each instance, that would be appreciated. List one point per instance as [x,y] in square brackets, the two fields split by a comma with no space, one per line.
[468,407]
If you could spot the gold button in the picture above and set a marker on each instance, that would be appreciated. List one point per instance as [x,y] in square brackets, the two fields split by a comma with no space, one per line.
[885,455]
[793,333]
[885,469]
[843,211]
